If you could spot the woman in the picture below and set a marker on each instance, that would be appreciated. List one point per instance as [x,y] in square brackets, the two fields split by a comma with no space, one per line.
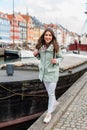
[47,50]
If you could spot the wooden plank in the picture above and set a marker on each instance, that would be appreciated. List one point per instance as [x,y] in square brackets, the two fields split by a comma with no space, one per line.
[18,76]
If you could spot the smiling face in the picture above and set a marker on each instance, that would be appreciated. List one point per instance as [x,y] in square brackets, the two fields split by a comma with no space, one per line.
[48,37]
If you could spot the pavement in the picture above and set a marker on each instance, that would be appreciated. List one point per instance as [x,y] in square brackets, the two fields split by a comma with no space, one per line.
[75,116]
[71,113]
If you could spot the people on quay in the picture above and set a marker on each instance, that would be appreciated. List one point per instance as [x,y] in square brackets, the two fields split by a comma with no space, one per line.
[49,53]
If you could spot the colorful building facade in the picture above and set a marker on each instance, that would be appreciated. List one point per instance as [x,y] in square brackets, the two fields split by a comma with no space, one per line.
[4,29]
[20,29]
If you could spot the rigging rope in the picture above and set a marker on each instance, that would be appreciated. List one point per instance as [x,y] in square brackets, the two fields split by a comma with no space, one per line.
[17,94]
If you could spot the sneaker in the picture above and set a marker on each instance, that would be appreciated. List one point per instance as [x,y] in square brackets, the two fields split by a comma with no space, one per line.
[47,118]
[55,106]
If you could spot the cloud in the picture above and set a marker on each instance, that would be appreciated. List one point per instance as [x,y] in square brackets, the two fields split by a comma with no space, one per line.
[68,13]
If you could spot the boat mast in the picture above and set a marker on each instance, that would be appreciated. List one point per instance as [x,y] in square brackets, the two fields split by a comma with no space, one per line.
[27,27]
[86,20]
[84,29]
[86,9]
[13,23]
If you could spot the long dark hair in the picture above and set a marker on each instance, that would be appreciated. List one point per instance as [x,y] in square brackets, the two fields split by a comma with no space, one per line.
[41,40]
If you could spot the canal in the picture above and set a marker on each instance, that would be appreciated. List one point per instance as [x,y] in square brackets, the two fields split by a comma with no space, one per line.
[10,60]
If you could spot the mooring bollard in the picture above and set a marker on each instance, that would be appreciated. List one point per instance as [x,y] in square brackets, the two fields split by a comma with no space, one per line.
[9,69]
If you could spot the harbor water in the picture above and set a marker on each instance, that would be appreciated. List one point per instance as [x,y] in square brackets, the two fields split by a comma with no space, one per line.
[10,60]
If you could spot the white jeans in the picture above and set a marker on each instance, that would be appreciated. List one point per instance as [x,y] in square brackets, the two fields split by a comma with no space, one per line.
[50,87]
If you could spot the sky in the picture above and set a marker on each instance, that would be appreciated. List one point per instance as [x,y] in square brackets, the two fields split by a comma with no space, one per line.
[68,13]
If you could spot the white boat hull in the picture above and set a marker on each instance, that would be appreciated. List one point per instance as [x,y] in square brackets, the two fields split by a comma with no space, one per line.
[25,54]
[19,53]
[11,53]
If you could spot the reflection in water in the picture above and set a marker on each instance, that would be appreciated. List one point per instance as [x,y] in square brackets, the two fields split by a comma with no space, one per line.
[4,60]
[11,59]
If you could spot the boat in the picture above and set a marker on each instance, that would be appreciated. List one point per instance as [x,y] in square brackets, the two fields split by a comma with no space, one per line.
[23,96]
[26,53]
[18,53]
[77,47]
[80,45]
[11,53]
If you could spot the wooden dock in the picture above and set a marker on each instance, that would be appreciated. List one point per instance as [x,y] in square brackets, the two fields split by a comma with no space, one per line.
[76,93]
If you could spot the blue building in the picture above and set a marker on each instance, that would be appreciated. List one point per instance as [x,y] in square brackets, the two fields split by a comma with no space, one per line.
[4,29]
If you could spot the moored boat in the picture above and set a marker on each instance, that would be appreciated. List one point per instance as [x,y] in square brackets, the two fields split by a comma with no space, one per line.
[78,47]
[21,93]
[26,53]
[11,53]
[18,53]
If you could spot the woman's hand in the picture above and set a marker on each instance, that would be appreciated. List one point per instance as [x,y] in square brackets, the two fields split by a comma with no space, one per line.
[53,61]
[35,53]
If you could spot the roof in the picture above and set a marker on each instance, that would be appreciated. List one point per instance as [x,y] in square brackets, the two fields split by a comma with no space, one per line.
[18,17]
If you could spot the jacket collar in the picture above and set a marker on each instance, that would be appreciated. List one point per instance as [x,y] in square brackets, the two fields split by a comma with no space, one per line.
[50,48]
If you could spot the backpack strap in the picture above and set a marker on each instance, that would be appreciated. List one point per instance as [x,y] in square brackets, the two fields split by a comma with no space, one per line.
[53,53]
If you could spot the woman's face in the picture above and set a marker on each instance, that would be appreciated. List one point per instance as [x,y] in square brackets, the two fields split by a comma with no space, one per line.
[48,37]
